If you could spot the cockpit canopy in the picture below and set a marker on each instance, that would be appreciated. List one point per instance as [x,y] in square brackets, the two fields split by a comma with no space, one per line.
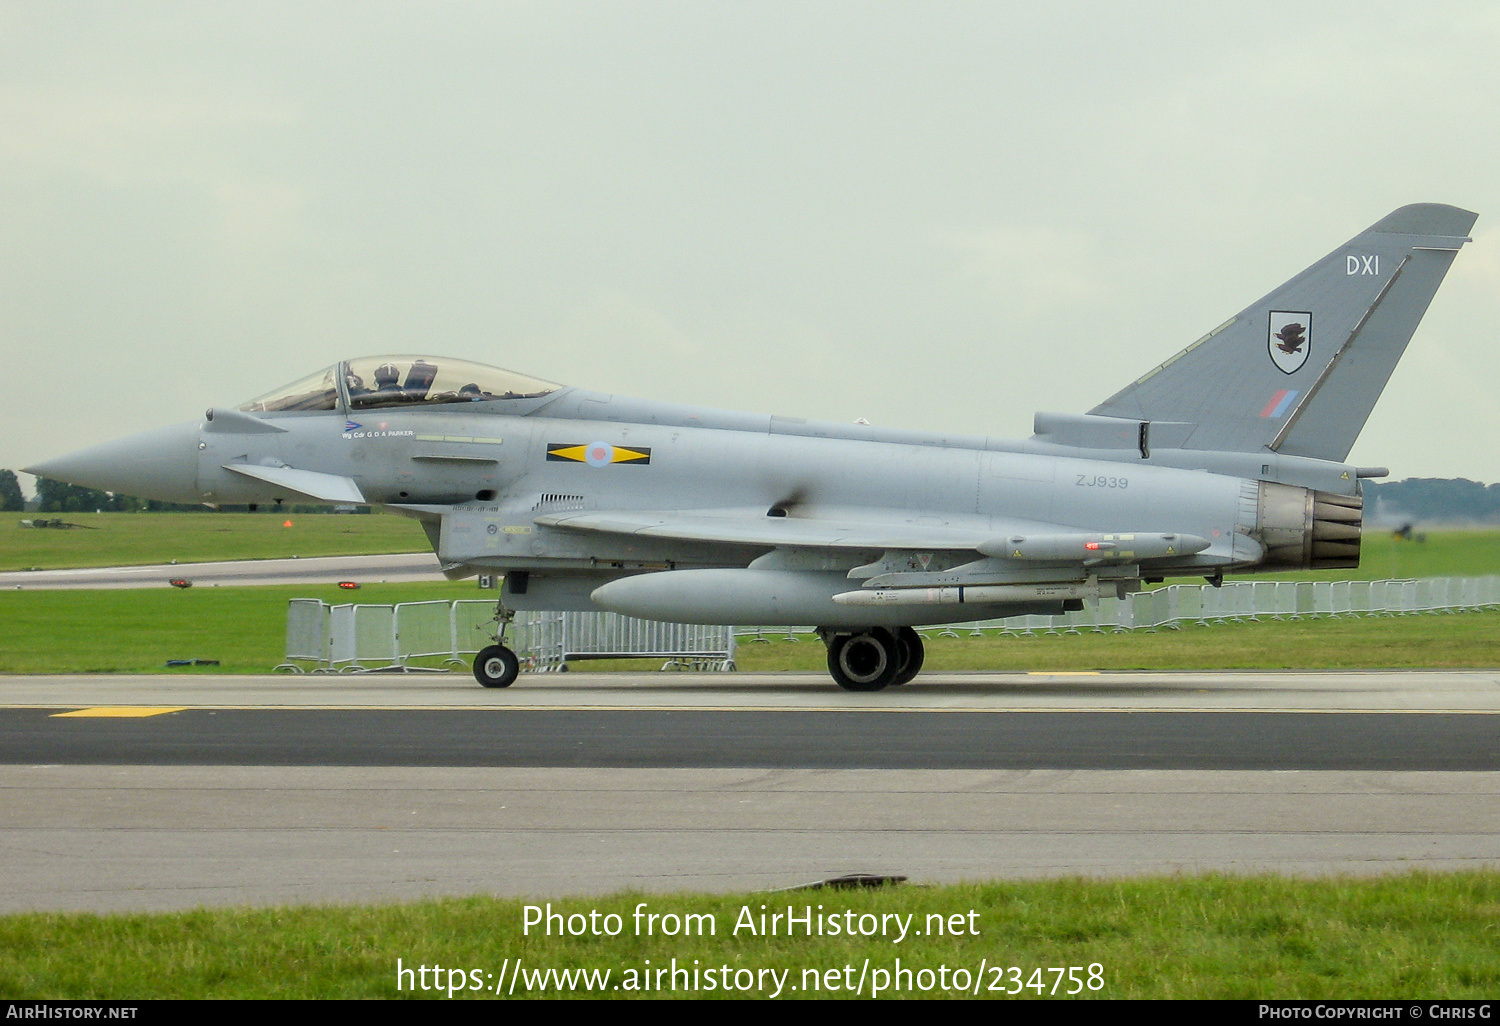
[374,382]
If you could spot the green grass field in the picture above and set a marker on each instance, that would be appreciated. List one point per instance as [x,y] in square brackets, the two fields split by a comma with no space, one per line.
[138,630]
[138,539]
[1414,936]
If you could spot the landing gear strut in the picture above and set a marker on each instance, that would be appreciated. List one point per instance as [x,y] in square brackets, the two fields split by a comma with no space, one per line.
[873,658]
[497,666]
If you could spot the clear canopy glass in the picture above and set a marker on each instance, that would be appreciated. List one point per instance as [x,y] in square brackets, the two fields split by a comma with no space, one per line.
[315,392]
[373,382]
[376,381]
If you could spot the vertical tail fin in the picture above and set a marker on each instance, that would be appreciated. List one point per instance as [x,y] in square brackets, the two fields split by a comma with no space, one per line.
[1298,372]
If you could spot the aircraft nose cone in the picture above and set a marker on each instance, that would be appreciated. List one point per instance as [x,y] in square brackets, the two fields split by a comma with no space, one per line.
[160,464]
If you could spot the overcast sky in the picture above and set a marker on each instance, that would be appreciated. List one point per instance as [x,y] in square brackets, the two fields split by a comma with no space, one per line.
[943,215]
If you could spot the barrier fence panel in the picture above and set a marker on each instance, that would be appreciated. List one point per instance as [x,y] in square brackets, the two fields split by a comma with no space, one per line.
[340,636]
[1249,600]
[306,635]
[355,638]
[374,638]
[473,625]
[611,636]
[424,630]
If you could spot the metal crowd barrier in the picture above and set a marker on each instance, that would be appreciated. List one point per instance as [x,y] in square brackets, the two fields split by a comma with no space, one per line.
[441,635]
[1203,604]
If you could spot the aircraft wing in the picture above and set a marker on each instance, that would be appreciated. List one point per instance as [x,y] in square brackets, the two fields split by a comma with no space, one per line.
[1025,540]
[753,527]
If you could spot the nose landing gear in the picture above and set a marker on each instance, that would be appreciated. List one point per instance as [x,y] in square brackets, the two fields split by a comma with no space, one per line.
[496,666]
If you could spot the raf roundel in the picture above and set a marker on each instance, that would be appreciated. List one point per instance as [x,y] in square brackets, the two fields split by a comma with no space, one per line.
[599,455]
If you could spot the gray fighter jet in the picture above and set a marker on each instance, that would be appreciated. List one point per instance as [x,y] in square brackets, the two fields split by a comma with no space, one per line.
[1227,458]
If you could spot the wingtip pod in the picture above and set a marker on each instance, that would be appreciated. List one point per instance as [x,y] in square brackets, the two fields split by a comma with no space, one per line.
[1426,219]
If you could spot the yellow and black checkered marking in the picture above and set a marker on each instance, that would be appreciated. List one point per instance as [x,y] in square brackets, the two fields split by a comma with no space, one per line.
[597,454]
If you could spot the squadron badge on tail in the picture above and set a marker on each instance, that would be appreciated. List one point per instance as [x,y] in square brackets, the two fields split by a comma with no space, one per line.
[1290,339]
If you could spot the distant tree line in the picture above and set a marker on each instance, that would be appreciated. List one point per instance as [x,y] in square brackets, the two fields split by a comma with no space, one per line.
[1433,500]
[58,497]
[10,492]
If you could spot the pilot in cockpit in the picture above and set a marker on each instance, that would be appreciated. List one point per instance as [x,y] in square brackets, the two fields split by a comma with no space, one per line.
[387,378]
[356,385]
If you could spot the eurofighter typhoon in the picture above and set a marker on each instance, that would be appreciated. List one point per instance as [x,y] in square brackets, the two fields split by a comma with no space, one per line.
[1227,458]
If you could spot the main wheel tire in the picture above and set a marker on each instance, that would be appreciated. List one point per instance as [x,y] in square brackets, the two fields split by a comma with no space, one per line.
[909,655]
[496,667]
[866,661]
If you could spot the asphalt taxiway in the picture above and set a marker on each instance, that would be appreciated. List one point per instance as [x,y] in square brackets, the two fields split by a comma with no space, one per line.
[175,791]
[401,567]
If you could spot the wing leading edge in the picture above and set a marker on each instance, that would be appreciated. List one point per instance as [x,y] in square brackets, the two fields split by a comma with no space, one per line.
[1025,541]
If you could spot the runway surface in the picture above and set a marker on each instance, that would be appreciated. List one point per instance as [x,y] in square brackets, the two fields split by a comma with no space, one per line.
[411,566]
[169,792]
[687,739]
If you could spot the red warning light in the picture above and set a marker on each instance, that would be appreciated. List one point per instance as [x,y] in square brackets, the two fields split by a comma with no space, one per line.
[350,585]
[1091,546]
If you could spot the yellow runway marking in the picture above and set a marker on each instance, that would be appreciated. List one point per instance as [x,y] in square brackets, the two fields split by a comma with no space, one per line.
[121,711]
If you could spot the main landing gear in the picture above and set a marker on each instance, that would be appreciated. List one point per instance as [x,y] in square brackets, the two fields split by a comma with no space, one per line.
[871,658]
[497,666]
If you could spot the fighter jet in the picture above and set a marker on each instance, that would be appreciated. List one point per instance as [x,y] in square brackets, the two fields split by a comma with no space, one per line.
[1227,458]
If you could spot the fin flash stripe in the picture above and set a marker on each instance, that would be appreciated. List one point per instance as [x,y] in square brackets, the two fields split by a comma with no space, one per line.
[597,454]
[1278,404]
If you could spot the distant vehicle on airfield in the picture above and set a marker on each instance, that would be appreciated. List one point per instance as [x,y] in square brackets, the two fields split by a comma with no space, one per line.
[1227,458]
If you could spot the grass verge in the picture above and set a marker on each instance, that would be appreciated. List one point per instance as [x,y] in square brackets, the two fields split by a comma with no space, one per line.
[1414,935]
[137,631]
[140,539]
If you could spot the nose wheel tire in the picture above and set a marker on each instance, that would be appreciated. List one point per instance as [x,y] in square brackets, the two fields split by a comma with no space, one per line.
[496,667]
[866,661]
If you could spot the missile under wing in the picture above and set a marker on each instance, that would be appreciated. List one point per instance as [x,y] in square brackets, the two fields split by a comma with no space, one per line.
[1227,458]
